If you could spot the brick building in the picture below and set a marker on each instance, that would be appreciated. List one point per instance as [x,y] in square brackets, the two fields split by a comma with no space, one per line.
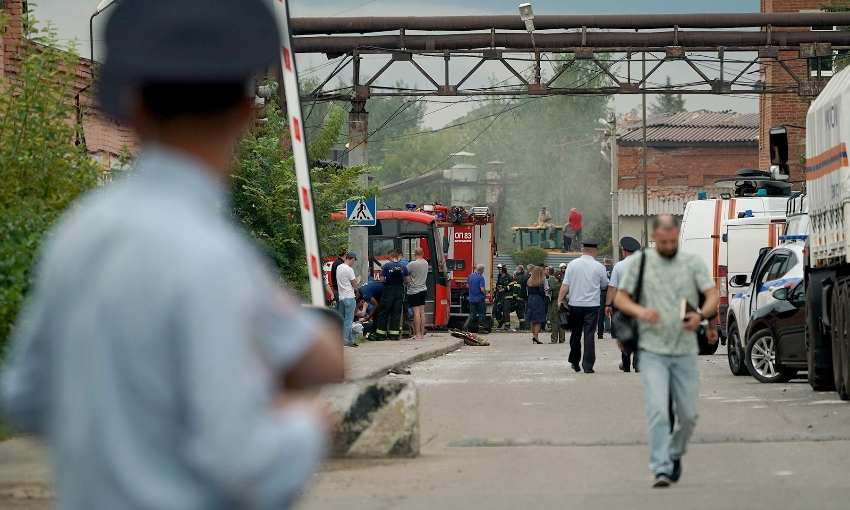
[103,136]
[686,153]
[778,109]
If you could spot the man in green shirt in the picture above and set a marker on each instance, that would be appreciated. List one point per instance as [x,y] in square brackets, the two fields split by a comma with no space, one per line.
[668,342]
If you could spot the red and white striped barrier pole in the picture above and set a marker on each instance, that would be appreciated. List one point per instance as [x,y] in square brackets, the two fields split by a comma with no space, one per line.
[299,150]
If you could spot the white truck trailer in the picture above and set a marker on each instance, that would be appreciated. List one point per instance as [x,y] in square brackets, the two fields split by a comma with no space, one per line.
[827,271]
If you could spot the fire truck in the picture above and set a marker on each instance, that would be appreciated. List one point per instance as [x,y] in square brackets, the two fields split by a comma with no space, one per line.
[468,240]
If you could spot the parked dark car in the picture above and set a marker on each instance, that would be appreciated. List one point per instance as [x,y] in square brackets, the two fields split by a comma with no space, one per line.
[776,346]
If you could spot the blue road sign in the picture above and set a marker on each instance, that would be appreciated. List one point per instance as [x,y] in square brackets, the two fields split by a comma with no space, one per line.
[361,212]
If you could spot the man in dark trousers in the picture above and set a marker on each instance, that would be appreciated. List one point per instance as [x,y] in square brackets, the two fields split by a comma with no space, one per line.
[630,246]
[603,325]
[583,283]
[340,259]
[393,275]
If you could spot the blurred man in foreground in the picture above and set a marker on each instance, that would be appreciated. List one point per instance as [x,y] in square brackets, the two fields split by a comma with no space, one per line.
[158,356]
[668,341]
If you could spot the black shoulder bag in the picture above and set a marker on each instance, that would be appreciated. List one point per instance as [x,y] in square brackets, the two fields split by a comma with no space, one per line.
[625,326]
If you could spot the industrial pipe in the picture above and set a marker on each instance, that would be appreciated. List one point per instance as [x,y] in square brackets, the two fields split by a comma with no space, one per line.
[362,25]
[608,40]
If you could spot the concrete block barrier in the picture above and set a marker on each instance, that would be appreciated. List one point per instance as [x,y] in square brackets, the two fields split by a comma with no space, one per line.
[376,418]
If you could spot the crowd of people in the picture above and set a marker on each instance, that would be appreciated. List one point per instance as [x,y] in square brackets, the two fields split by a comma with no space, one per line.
[385,307]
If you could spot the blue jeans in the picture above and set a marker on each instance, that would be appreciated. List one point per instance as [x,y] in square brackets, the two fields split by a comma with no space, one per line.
[346,308]
[478,310]
[665,376]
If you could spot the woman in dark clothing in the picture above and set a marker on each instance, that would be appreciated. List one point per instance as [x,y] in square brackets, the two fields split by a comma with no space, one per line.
[537,302]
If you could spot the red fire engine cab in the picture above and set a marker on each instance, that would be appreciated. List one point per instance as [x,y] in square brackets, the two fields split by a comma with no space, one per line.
[468,240]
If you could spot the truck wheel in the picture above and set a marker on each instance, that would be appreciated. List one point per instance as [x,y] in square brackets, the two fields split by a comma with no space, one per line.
[843,319]
[837,330]
[761,359]
[819,379]
[734,352]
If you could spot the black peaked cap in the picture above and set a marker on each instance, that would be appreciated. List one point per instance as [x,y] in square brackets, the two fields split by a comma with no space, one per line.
[184,41]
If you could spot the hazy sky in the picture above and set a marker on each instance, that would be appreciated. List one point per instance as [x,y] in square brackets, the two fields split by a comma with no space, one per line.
[72,20]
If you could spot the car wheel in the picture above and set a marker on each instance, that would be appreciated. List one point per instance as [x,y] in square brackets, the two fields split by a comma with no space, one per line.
[820,379]
[837,330]
[761,359]
[734,352]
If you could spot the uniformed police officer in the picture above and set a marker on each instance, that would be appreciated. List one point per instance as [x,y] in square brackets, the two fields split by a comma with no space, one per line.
[630,246]
[157,344]
[393,275]
[583,283]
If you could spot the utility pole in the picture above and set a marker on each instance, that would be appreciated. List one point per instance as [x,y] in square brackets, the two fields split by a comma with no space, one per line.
[645,191]
[615,193]
[358,154]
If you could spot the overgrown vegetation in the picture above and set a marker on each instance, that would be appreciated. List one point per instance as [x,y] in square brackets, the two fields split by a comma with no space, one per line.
[41,170]
[529,256]
[265,197]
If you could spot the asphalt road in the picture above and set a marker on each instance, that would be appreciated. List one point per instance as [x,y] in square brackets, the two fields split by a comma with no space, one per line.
[510,426]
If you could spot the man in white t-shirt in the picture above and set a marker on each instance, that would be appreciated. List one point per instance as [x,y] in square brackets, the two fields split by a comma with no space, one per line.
[417,291]
[347,303]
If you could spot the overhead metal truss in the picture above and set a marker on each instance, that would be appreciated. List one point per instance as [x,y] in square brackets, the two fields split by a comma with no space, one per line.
[598,35]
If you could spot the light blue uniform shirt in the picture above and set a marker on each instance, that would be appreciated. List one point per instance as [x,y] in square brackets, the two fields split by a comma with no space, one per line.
[619,270]
[586,278]
[151,350]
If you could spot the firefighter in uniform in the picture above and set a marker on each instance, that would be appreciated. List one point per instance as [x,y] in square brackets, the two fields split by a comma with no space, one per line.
[499,298]
[514,303]
[521,278]
[393,275]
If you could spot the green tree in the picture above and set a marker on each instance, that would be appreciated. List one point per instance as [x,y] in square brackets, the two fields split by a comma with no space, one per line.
[668,103]
[843,58]
[41,170]
[265,197]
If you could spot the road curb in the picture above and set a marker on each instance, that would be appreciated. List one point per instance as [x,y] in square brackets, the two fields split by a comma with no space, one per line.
[422,356]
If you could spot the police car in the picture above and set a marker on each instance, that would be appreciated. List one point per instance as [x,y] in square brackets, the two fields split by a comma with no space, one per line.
[775,268]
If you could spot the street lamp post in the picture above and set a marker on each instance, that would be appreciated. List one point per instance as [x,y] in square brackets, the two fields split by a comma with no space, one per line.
[615,192]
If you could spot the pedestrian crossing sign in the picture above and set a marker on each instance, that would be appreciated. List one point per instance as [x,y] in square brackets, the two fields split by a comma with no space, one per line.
[361,212]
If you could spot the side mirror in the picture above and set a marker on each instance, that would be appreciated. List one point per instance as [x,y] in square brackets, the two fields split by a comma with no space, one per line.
[778,173]
[781,294]
[739,280]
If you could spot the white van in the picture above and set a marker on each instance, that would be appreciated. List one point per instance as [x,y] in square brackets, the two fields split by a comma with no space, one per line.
[705,223]
[739,250]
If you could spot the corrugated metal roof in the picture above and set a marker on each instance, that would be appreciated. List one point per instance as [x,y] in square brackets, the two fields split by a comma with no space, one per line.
[660,201]
[699,126]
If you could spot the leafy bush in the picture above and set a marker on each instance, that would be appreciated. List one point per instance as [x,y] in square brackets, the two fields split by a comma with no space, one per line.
[529,256]
[41,170]
[265,194]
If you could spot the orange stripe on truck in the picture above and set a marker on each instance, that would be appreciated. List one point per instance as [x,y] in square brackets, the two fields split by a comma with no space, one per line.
[715,238]
[827,162]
